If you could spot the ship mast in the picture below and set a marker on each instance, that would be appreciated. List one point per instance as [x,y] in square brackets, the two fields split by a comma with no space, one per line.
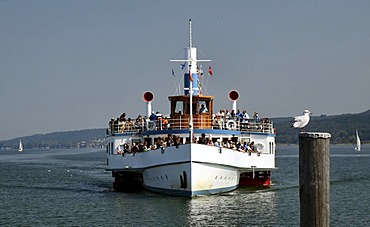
[191,130]
[191,77]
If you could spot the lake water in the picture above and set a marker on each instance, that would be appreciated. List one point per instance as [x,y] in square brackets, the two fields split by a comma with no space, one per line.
[70,187]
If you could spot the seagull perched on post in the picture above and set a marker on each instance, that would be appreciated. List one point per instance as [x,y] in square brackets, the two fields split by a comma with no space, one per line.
[302,121]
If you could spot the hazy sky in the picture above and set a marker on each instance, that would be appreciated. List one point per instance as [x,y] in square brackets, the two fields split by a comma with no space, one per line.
[74,64]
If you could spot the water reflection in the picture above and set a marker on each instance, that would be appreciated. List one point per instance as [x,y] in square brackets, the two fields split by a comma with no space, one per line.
[240,207]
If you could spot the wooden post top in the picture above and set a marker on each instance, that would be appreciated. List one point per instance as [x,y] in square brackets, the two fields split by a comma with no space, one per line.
[315,135]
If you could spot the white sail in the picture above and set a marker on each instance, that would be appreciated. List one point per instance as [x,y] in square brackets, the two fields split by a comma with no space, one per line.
[358,142]
[20,149]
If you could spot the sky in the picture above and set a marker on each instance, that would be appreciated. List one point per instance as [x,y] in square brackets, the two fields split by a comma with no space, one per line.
[74,64]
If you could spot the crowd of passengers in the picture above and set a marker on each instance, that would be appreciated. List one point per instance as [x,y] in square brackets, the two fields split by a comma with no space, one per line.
[173,140]
[221,120]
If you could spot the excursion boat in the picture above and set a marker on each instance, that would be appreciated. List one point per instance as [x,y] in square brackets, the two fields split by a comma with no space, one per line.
[194,150]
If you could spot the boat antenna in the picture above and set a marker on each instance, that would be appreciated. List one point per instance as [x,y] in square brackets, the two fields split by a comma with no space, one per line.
[190,34]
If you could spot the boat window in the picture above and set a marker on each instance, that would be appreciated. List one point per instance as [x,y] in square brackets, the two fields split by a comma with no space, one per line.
[187,109]
[202,106]
[136,141]
[179,107]
[148,141]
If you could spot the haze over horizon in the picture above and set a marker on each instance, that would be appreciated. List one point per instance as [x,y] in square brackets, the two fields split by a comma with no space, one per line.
[70,65]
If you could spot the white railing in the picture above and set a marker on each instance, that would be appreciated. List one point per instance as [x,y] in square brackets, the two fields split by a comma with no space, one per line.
[165,124]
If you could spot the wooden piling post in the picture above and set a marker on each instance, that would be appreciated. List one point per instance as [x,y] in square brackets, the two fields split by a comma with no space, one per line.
[314,179]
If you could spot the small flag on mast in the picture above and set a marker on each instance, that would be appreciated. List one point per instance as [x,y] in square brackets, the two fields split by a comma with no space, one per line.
[173,73]
[210,71]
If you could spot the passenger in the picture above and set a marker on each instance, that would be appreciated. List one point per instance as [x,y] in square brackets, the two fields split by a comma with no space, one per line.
[119,149]
[210,142]
[121,126]
[232,145]
[153,147]
[178,141]
[140,147]
[169,140]
[217,143]
[195,139]
[203,109]
[129,124]
[215,123]
[115,128]
[252,147]
[159,119]
[111,125]
[165,123]
[239,116]
[134,148]
[238,145]
[122,117]
[255,116]
[232,114]
[153,117]
[139,122]
[245,116]
[242,147]
[159,142]
[221,113]
[175,142]
[220,121]
[227,115]
[202,139]
[126,148]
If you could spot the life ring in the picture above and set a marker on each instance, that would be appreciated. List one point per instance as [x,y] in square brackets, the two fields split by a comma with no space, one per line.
[231,125]
[150,125]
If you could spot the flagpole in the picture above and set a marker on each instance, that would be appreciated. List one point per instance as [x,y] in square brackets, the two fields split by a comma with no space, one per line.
[191,132]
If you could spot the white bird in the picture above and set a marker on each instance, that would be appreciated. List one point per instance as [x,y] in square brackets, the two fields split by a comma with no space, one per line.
[302,121]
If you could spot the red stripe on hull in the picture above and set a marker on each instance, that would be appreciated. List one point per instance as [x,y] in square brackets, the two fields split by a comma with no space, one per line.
[259,179]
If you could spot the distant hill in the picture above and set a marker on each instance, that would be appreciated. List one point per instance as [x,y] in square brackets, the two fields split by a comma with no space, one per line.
[93,138]
[341,127]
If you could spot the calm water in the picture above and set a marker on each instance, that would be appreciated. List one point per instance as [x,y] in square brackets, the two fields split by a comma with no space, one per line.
[70,187]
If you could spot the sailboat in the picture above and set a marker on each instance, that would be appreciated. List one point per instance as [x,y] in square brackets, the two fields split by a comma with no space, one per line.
[358,142]
[20,149]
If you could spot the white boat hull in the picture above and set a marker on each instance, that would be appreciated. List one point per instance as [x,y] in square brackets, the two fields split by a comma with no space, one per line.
[191,169]
[184,179]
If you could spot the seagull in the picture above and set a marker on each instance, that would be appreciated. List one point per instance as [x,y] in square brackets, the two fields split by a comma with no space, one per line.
[302,121]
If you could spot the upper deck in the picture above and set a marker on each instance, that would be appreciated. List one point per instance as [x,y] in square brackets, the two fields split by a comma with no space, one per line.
[181,122]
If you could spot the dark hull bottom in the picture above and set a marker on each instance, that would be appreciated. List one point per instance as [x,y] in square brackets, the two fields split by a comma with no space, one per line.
[255,179]
[127,181]
[131,181]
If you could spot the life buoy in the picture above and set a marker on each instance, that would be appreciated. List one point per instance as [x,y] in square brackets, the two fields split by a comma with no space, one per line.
[231,124]
[150,125]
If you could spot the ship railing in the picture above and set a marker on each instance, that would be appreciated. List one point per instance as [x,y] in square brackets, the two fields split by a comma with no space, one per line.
[158,125]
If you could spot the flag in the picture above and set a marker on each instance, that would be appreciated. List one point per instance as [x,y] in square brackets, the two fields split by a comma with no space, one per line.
[210,71]
[173,73]
[199,71]
[199,85]
[182,66]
